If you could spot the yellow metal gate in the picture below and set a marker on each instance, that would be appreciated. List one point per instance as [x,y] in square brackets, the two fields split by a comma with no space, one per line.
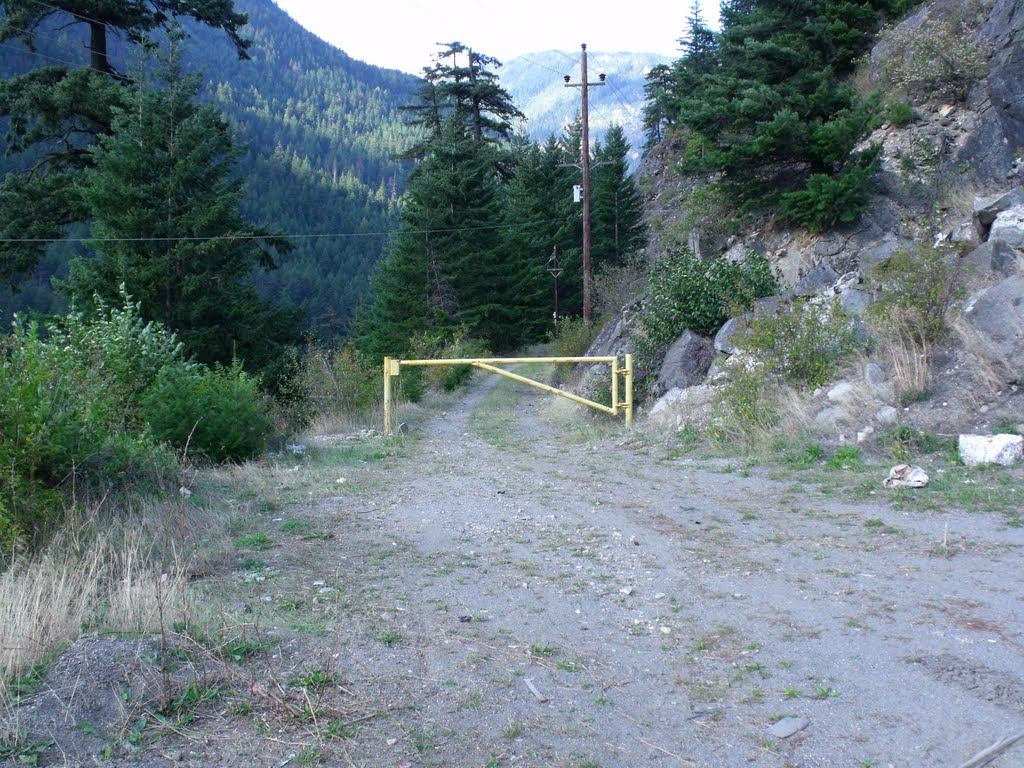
[622,396]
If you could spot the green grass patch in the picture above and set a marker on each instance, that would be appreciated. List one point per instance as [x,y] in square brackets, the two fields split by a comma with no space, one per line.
[258,541]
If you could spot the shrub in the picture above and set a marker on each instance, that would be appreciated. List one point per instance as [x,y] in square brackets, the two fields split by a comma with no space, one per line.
[829,200]
[572,337]
[688,293]
[218,414]
[919,290]
[70,414]
[742,405]
[940,58]
[616,287]
[335,381]
[900,114]
[801,343]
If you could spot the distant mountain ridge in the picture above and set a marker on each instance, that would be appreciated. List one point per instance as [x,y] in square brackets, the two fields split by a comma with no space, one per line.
[536,83]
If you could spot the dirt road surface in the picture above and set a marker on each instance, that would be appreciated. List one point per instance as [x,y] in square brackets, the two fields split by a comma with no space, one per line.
[516,593]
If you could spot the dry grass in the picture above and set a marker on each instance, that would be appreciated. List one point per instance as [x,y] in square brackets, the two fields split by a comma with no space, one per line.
[109,571]
[909,355]
[50,599]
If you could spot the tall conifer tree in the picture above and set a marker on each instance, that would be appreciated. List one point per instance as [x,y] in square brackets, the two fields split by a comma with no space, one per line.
[164,201]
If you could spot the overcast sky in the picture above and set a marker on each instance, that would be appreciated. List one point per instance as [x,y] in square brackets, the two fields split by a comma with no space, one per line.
[401,34]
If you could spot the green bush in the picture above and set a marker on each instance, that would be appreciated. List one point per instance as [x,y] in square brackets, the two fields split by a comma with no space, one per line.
[900,114]
[801,343]
[920,289]
[829,200]
[218,414]
[572,337]
[743,407]
[335,381]
[70,414]
[689,293]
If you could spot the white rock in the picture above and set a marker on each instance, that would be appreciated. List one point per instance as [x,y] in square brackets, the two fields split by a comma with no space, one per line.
[865,433]
[906,476]
[887,415]
[842,392]
[991,449]
[873,374]
[1009,227]
[829,416]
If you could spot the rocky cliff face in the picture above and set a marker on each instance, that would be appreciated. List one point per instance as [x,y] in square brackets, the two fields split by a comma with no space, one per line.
[953,174]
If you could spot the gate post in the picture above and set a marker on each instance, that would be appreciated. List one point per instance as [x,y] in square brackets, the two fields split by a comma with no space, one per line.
[387,397]
[629,390]
[615,386]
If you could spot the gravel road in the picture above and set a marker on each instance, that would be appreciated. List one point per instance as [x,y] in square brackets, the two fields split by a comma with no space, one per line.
[540,599]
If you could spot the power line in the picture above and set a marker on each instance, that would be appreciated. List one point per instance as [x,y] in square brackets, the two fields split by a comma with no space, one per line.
[622,100]
[567,56]
[50,58]
[230,238]
[538,64]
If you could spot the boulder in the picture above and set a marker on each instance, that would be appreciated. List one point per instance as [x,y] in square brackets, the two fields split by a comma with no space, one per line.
[856,301]
[686,363]
[828,417]
[874,375]
[724,339]
[1009,227]
[843,393]
[676,407]
[816,281]
[990,149]
[887,415]
[995,318]
[986,209]
[990,449]
[995,258]
[879,252]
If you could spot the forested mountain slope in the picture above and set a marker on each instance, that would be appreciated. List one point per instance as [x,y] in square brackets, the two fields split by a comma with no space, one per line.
[320,132]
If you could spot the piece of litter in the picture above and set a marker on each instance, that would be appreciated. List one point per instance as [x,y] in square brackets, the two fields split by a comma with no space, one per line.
[906,476]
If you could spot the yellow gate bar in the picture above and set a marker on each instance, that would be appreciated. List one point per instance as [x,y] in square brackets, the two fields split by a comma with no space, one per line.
[504,360]
[392,367]
[547,388]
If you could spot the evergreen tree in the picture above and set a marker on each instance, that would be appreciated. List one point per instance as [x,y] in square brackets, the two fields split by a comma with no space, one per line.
[768,109]
[53,113]
[462,84]
[660,109]
[541,221]
[165,205]
[616,210]
[449,258]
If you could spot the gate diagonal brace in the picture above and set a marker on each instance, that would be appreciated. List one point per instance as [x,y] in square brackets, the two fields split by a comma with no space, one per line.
[392,367]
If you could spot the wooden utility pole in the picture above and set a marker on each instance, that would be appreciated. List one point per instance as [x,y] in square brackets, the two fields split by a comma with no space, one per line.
[585,162]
